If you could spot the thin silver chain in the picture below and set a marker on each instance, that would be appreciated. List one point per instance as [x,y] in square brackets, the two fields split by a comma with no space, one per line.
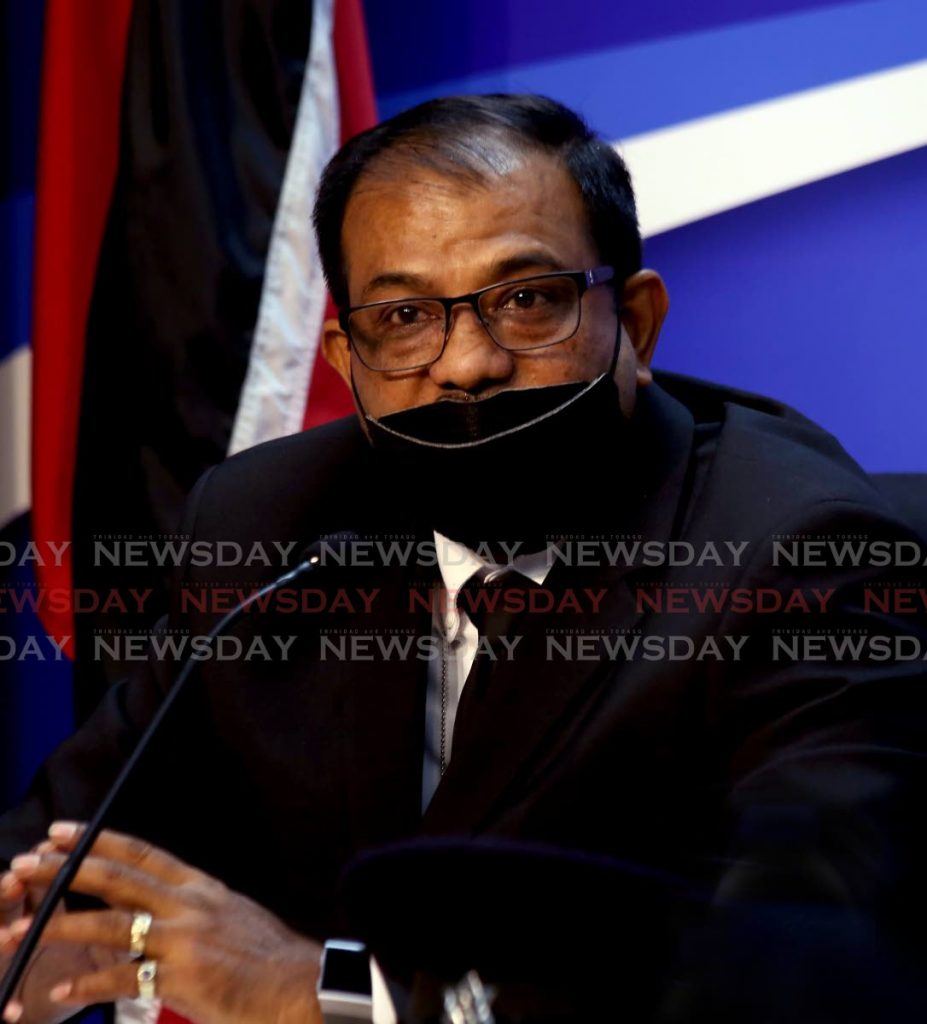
[444,706]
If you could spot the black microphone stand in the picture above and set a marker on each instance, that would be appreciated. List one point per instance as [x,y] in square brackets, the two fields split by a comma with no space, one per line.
[71,866]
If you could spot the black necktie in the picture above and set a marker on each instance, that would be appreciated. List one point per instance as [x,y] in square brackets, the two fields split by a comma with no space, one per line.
[492,599]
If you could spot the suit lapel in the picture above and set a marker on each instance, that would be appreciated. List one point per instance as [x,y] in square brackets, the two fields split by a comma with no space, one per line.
[531,698]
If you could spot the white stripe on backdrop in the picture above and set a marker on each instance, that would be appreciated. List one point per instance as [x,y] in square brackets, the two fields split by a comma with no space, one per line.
[695,169]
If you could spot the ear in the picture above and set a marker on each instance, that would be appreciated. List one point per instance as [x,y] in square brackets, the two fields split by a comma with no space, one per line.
[644,305]
[337,350]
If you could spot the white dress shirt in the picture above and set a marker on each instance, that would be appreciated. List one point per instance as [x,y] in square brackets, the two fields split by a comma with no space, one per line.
[457,636]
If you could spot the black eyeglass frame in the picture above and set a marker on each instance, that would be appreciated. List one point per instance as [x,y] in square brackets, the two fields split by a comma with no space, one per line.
[584,280]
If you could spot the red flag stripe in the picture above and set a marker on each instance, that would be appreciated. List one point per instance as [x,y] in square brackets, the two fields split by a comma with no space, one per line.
[328,397]
[355,76]
[82,72]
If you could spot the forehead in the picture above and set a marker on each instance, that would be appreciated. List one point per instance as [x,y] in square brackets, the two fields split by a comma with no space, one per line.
[450,234]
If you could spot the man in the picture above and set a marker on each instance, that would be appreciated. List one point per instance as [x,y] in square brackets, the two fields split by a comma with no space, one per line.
[497,329]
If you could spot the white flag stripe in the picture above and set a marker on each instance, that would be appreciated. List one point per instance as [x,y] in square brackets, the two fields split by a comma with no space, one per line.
[703,167]
[16,431]
[138,1011]
[289,323]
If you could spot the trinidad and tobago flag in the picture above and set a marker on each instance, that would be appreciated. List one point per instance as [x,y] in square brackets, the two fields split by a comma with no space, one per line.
[177,294]
[172,310]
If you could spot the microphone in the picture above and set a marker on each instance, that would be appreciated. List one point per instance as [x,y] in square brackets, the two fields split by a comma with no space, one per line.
[309,561]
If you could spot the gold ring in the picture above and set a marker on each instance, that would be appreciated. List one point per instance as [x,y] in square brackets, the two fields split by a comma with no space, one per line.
[141,925]
[147,974]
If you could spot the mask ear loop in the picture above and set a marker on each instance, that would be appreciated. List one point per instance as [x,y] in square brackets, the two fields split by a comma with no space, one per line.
[615,350]
[357,397]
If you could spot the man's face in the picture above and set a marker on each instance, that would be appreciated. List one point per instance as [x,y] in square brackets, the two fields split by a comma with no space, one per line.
[421,234]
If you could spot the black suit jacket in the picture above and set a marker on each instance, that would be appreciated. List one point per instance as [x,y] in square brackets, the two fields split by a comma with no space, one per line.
[754,778]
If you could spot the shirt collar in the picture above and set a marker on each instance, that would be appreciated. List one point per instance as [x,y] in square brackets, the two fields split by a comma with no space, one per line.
[458,563]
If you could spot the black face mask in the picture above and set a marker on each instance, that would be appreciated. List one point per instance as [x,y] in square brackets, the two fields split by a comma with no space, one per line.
[525,465]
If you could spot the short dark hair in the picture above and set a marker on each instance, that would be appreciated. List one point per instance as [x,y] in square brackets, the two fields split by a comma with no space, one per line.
[460,136]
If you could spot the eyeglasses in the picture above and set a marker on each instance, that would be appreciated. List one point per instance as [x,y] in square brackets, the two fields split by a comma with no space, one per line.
[529,313]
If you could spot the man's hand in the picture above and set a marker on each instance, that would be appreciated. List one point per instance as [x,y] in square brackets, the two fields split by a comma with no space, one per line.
[15,898]
[220,957]
[50,964]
